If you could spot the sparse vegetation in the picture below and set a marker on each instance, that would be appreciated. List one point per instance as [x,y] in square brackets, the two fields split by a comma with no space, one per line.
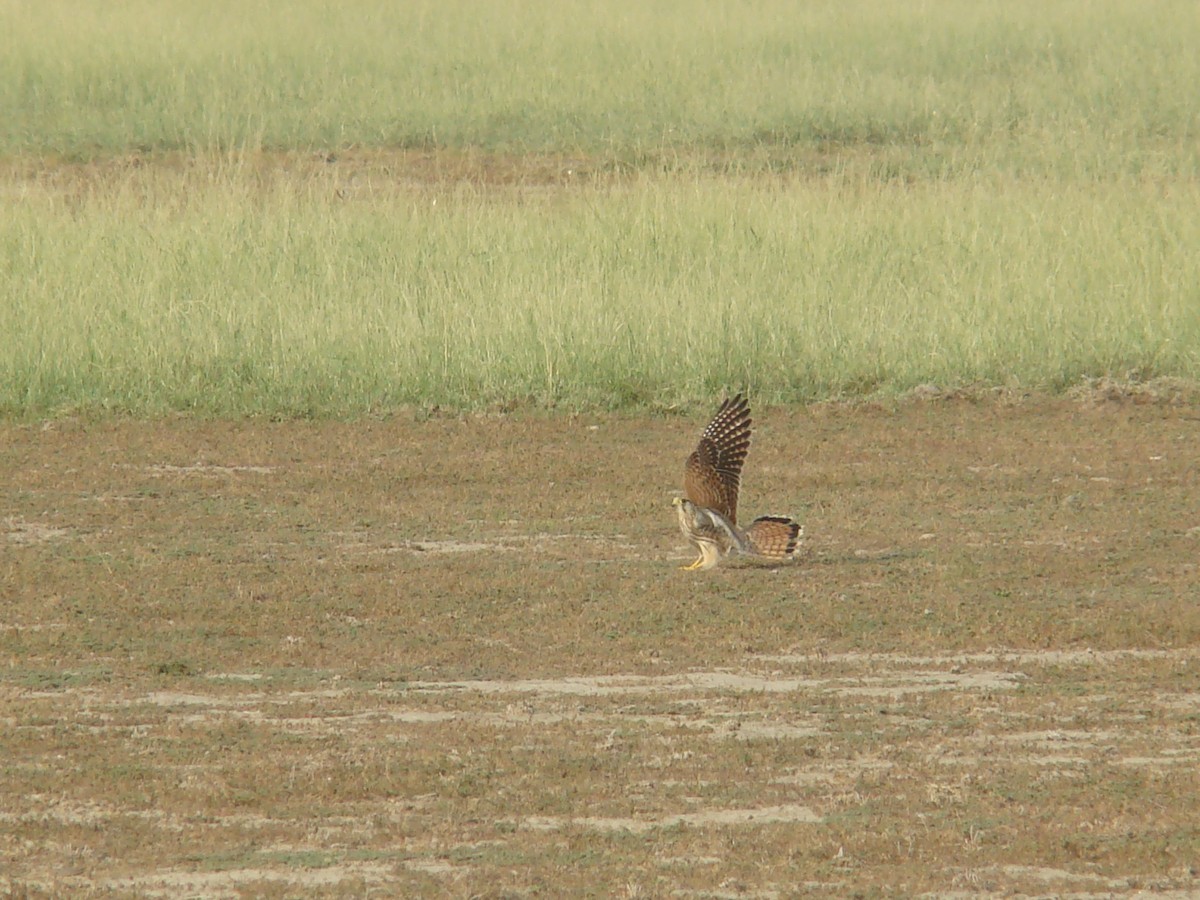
[981,674]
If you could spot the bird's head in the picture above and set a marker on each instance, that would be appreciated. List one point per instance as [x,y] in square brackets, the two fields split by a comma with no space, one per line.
[684,505]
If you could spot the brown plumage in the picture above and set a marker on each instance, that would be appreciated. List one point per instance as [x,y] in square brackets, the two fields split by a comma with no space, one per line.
[711,480]
[713,473]
[773,536]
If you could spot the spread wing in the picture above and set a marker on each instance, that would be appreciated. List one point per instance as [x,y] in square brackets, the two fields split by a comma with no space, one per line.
[714,470]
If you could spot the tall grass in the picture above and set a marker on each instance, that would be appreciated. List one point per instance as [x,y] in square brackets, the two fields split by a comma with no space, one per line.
[826,198]
[1072,85]
[223,291]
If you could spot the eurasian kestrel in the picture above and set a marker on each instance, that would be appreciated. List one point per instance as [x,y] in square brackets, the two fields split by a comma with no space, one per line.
[708,510]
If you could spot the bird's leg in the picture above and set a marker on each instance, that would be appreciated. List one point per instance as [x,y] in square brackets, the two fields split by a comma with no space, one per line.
[697,564]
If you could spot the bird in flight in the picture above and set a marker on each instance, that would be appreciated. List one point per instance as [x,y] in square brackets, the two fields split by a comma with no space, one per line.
[708,510]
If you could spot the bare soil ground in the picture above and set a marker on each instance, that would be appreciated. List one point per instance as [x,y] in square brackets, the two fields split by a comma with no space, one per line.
[457,656]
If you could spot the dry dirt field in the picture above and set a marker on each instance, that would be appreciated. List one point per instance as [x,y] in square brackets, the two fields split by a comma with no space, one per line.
[456,656]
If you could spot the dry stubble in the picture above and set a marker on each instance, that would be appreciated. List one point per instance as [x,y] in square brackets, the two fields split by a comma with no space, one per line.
[457,655]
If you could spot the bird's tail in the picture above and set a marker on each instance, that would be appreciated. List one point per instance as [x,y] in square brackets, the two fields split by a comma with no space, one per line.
[773,537]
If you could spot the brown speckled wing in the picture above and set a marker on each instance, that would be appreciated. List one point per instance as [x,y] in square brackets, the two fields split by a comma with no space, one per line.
[714,470]
[773,536]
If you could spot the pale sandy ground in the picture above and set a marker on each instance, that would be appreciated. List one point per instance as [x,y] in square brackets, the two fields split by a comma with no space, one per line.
[525,705]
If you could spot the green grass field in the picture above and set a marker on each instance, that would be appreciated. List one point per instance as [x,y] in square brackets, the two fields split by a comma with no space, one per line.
[1065,85]
[302,210]
[233,296]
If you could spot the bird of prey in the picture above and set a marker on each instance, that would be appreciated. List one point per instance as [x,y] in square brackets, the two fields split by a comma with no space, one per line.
[708,510]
